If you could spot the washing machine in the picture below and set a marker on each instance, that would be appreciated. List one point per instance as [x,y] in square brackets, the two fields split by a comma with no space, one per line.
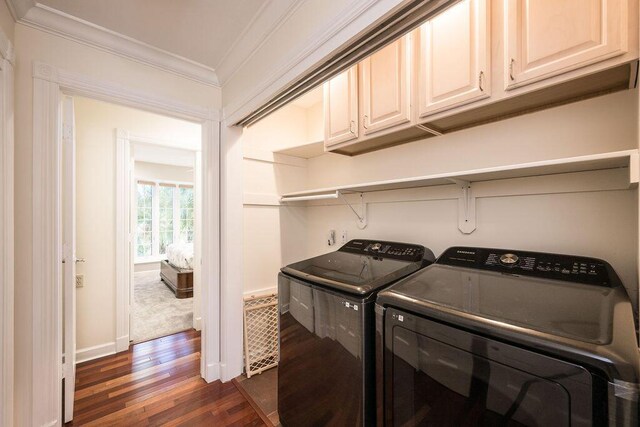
[504,337]
[326,371]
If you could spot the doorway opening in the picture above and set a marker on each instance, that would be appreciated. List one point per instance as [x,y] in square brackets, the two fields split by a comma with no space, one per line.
[164,212]
[131,197]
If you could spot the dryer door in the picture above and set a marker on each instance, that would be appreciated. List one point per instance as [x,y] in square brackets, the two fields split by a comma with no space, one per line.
[438,375]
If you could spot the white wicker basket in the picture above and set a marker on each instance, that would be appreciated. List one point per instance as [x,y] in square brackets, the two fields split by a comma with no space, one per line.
[260,333]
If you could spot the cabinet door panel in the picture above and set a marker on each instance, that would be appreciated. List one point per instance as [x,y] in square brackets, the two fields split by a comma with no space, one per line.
[341,108]
[544,38]
[454,55]
[385,94]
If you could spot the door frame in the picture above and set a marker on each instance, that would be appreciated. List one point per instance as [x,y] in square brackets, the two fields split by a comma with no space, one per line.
[49,84]
[7,60]
[124,220]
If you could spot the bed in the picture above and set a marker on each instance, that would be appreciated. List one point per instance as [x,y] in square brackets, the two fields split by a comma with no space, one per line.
[177,270]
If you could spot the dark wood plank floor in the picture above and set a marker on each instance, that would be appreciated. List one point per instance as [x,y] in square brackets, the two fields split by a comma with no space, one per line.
[157,383]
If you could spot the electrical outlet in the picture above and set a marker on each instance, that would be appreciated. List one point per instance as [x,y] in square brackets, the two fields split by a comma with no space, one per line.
[79,280]
[331,237]
[344,237]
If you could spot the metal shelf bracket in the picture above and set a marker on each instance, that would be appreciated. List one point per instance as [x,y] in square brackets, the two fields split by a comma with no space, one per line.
[362,216]
[466,206]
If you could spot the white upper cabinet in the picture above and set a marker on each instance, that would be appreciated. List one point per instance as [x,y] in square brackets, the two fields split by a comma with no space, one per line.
[454,56]
[386,87]
[341,107]
[544,38]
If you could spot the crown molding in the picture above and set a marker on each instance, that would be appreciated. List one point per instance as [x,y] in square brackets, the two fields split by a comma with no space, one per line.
[55,22]
[19,8]
[352,19]
[265,23]
[98,89]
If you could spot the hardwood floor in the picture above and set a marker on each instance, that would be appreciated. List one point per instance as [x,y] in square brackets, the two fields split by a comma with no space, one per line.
[157,383]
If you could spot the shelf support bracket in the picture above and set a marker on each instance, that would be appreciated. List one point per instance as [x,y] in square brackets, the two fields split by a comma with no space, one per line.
[466,206]
[362,216]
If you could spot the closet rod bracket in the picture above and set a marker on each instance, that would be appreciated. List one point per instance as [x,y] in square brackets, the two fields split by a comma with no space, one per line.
[466,206]
[362,216]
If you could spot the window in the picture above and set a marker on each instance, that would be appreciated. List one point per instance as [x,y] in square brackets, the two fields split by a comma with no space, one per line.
[186,214]
[165,214]
[144,231]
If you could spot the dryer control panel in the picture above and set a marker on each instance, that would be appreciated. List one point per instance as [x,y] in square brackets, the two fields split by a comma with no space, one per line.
[393,250]
[538,264]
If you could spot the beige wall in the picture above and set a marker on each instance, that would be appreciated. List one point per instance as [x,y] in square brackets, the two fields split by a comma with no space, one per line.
[269,239]
[34,45]
[7,25]
[159,172]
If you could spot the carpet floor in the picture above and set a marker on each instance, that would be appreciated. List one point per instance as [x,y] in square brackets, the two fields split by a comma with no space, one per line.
[156,310]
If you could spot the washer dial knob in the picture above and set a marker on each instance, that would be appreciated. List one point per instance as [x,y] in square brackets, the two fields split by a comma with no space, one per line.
[509,260]
[376,247]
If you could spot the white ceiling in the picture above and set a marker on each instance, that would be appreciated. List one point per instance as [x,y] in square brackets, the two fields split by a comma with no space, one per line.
[203,31]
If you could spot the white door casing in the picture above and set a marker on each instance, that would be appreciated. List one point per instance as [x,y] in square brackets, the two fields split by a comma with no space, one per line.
[123,240]
[46,334]
[6,232]
[69,253]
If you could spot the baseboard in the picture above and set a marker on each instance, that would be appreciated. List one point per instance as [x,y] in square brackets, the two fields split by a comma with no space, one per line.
[212,372]
[197,323]
[95,352]
[227,373]
[263,291]
[122,343]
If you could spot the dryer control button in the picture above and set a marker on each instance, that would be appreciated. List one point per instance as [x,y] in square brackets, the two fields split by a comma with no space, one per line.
[509,259]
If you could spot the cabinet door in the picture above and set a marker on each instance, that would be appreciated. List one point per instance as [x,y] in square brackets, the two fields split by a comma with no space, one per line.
[385,93]
[544,38]
[454,58]
[341,108]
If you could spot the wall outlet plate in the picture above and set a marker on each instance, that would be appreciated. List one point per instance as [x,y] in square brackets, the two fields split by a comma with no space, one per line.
[79,280]
[331,238]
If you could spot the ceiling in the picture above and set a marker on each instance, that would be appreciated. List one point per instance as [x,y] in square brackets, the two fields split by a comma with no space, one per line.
[203,31]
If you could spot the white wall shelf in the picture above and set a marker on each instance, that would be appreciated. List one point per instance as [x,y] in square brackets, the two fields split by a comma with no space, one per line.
[628,159]
[305,151]
[611,160]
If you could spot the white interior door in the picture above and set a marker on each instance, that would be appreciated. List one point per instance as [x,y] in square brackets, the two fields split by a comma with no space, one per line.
[69,253]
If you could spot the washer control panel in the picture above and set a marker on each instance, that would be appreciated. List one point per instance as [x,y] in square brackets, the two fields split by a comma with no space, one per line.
[381,249]
[551,266]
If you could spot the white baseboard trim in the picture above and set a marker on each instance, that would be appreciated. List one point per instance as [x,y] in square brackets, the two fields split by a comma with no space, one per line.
[197,323]
[263,291]
[227,373]
[212,372]
[95,352]
[122,343]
